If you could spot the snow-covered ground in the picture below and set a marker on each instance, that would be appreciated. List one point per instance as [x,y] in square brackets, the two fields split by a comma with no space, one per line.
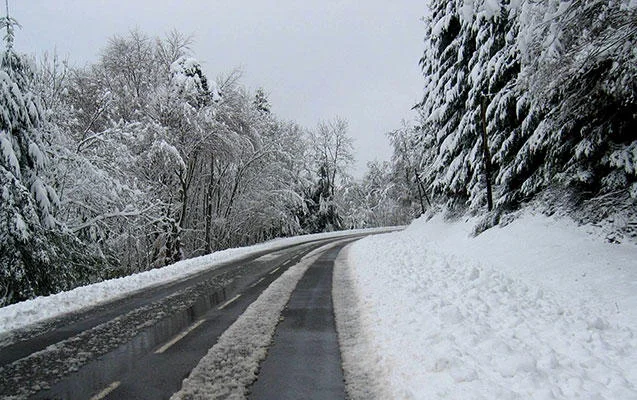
[42,308]
[364,377]
[537,309]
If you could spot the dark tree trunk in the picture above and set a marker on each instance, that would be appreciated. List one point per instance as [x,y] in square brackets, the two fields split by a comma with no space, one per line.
[421,192]
[486,155]
[208,206]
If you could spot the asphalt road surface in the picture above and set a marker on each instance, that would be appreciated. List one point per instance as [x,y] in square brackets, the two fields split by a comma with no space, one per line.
[304,361]
[143,346]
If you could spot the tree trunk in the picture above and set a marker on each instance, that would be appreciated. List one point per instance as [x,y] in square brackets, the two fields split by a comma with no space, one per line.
[208,206]
[486,155]
[185,179]
[421,192]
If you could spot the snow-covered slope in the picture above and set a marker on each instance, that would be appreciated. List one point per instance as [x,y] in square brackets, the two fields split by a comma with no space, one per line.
[537,309]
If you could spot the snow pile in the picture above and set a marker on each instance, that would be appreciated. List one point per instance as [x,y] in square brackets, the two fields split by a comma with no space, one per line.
[230,367]
[42,308]
[538,309]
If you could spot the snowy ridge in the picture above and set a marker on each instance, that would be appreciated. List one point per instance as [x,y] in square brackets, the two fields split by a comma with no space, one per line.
[29,312]
[363,380]
[231,365]
[537,309]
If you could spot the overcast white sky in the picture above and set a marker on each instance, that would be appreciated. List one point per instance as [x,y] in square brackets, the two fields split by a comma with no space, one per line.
[316,59]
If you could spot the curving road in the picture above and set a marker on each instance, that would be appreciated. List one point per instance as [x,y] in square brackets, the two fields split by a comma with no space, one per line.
[304,361]
[143,346]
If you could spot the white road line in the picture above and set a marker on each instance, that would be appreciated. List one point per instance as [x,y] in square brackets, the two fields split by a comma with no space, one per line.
[257,282]
[179,337]
[106,391]
[286,263]
[227,303]
[274,270]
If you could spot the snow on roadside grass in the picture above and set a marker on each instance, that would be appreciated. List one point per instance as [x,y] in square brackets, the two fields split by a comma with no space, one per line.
[537,309]
[29,312]
[231,365]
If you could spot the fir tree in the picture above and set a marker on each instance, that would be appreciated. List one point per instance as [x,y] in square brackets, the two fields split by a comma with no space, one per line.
[261,102]
[27,249]
[581,71]
[445,65]
[557,83]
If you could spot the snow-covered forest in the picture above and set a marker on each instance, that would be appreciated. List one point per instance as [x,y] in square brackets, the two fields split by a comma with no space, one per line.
[139,159]
[522,100]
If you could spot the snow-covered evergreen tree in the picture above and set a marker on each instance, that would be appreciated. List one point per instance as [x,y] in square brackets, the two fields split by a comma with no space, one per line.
[580,70]
[445,65]
[331,155]
[261,101]
[556,82]
[32,245]
[470,62]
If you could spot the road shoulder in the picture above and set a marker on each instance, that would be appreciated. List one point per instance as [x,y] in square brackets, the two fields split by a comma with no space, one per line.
[364,378]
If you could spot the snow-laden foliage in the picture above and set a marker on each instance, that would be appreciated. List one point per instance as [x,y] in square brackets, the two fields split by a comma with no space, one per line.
[410,146]
[189,83]
[330,154]
[32,244]
[147,161]
[376,200]
[553,85]
[581,71]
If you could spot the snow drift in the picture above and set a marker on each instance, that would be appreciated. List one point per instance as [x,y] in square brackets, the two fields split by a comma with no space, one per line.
[536,309]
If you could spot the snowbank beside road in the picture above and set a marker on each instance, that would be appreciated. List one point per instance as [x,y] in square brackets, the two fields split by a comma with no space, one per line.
[537,309]
[363,378]
[28,312]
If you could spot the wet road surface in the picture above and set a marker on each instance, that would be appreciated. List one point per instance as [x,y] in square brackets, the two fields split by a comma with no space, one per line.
[304,361]
[141,347]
